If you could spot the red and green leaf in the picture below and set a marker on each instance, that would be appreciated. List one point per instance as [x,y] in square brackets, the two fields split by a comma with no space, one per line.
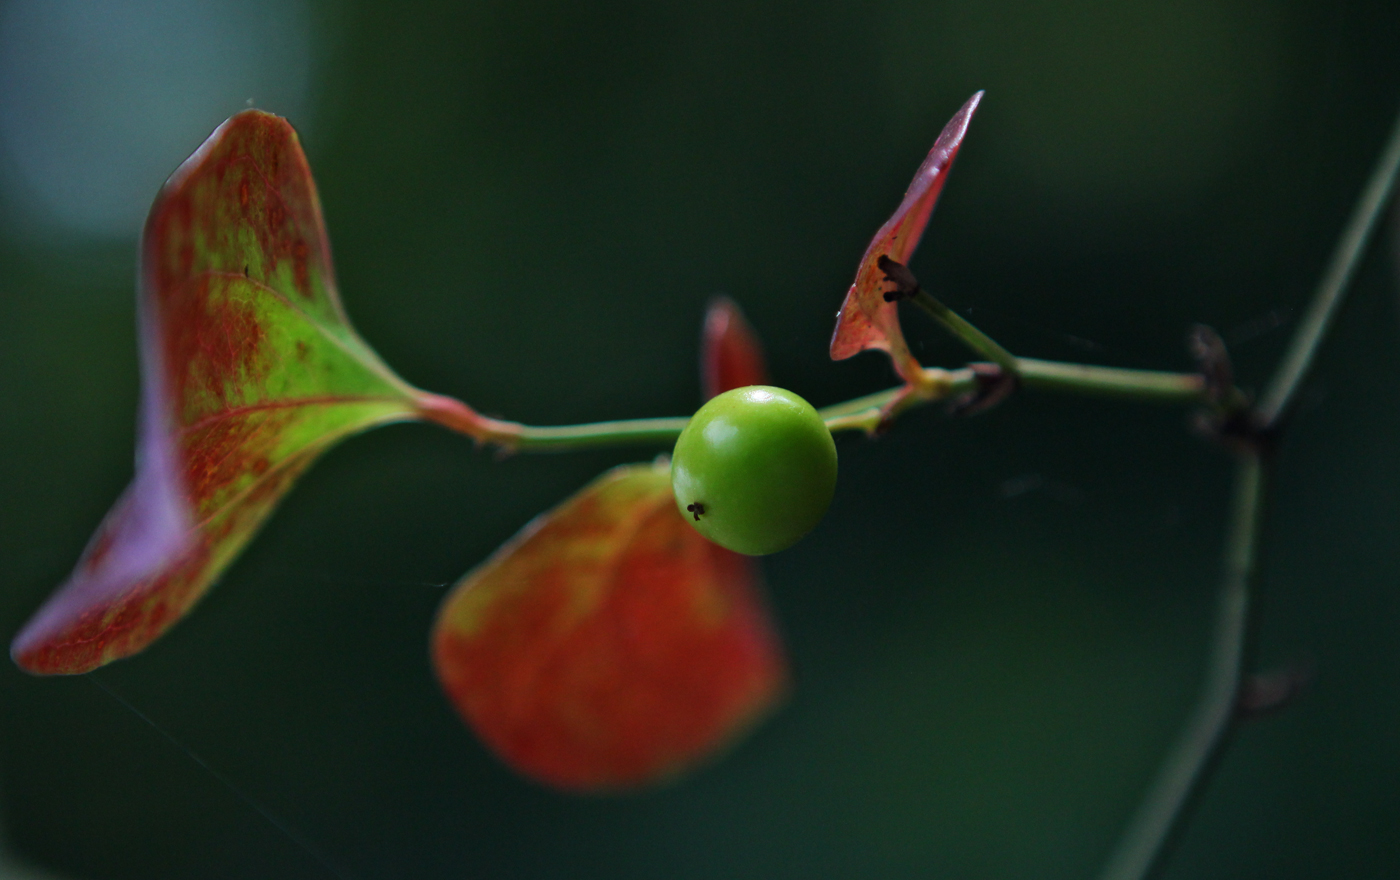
[250,370]
[866,320]
[609,645]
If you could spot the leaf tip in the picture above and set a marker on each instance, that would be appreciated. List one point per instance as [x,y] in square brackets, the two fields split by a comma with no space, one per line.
[731,355]
[866,320]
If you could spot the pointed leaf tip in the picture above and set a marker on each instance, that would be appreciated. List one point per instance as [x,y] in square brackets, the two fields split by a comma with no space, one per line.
[866,321]
[609,645]
[250,370]
[730,354]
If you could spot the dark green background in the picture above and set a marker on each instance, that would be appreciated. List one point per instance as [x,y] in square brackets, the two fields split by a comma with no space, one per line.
[530,204]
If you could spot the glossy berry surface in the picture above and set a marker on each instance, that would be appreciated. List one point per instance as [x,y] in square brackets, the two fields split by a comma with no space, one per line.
[754,470]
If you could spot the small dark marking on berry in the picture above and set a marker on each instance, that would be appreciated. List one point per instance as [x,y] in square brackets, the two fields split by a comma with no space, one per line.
[697,510]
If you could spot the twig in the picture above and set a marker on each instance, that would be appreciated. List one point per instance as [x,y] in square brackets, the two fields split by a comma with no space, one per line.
[1187,766]
[1184,770]
[1331,290]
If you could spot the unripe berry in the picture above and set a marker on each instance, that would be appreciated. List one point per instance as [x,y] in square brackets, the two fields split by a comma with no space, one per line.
[754,470]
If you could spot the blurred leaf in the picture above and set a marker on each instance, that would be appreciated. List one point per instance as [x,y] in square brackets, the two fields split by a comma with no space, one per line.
[250,370]
[609,645]
[730,353]
[866,320]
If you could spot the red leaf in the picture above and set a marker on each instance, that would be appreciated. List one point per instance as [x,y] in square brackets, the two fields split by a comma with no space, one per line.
[730,353]
[866,320]
[250,370]
[608,644]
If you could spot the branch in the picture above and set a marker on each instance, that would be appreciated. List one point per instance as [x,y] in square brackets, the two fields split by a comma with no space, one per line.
[1184,770]
[861,414]
[1187,766]
[1332,289]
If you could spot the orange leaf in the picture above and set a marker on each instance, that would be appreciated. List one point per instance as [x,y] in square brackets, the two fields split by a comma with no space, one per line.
[866,320]
[609,645]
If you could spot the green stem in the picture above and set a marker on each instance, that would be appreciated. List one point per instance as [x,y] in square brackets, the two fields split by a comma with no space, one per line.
[648,432]
[1148,385]
[1184,770]
[1057,376]
[960,327]
[513,436]
[861,414]
[866,413]
[1331,289]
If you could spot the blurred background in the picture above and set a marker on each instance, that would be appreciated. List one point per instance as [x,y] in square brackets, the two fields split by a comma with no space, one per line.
[1000,625]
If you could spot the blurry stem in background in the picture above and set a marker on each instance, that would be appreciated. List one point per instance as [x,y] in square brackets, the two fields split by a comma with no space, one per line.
[1186,768]
[862,413]
[1352,244]
[1183,772]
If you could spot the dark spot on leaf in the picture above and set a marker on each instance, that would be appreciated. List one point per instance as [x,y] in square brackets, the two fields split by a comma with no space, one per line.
[301,278]
[905,284]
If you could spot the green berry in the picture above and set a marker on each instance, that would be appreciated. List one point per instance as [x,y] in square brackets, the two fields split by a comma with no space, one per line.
[754,470]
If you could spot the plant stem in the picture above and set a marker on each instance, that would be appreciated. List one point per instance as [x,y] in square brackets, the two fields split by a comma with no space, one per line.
[959,381]
[868,412]
[1057,376]
[513,436]
[962,328]
[1148,385]
[531,438]
[861,414]
[1184,770]
[1330,291]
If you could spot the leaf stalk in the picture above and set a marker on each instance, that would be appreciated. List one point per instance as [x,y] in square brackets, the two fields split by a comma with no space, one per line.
[965,330]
